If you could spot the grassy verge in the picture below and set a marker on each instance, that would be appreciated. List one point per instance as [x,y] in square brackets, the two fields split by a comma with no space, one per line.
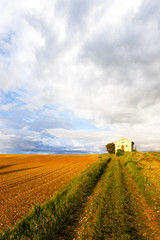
[112,215]
[47,221]
[142,172]
[135,167]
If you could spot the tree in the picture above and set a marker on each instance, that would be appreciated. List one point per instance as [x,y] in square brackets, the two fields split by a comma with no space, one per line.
[110,148]
[119,152]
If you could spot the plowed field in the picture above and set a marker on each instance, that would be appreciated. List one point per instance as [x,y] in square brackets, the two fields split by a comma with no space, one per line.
[26,180]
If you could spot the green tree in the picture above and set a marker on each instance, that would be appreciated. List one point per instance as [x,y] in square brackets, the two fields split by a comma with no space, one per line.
[119,152]
[110,148]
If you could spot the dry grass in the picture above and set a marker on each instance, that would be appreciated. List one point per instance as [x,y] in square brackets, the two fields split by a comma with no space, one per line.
[26,180]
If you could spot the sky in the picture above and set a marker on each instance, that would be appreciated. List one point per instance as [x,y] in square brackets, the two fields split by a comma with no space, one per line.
[76,75]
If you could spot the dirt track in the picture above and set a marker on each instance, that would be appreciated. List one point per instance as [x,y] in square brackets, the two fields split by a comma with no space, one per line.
[116,209]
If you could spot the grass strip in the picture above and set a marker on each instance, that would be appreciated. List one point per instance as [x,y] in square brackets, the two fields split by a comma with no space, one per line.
[137,170]
[48,220]
[112,215]
[146,176]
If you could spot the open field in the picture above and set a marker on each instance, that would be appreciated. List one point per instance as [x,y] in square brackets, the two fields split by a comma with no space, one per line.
[114,198]
[26,180]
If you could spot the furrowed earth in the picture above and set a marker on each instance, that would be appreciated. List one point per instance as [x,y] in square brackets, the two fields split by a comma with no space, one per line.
[116,197]
[26,180]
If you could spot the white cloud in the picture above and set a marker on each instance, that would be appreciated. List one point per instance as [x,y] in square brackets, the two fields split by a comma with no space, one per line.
[99,60]
[6,140]
[6,107]
[78,134]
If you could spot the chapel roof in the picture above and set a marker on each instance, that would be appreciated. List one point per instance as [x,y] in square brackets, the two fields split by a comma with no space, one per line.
[123,139]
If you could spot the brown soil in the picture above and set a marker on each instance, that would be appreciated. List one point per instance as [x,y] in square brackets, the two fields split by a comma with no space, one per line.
[26,180]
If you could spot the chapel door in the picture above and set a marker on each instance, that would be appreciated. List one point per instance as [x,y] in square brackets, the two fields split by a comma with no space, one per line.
[122,147]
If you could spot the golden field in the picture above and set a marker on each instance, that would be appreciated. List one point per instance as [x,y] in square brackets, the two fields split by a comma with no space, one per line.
[26,180]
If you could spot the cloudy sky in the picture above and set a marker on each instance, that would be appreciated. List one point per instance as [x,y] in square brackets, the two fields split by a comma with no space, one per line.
[75,75]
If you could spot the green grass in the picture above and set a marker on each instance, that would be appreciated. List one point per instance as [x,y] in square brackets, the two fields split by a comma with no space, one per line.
[112,211]
[112,215]
[137,170]
[49,220]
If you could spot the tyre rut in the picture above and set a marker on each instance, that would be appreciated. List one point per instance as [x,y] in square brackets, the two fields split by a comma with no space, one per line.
[114,211]
[145,212]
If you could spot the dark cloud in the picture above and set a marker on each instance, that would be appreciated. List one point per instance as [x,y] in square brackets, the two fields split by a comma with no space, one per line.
[74,11]
[42,149]
[41,123]
[129,57]
[149,11]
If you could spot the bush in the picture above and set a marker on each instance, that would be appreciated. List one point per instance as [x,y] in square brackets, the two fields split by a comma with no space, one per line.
[110,148]
[120,152]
